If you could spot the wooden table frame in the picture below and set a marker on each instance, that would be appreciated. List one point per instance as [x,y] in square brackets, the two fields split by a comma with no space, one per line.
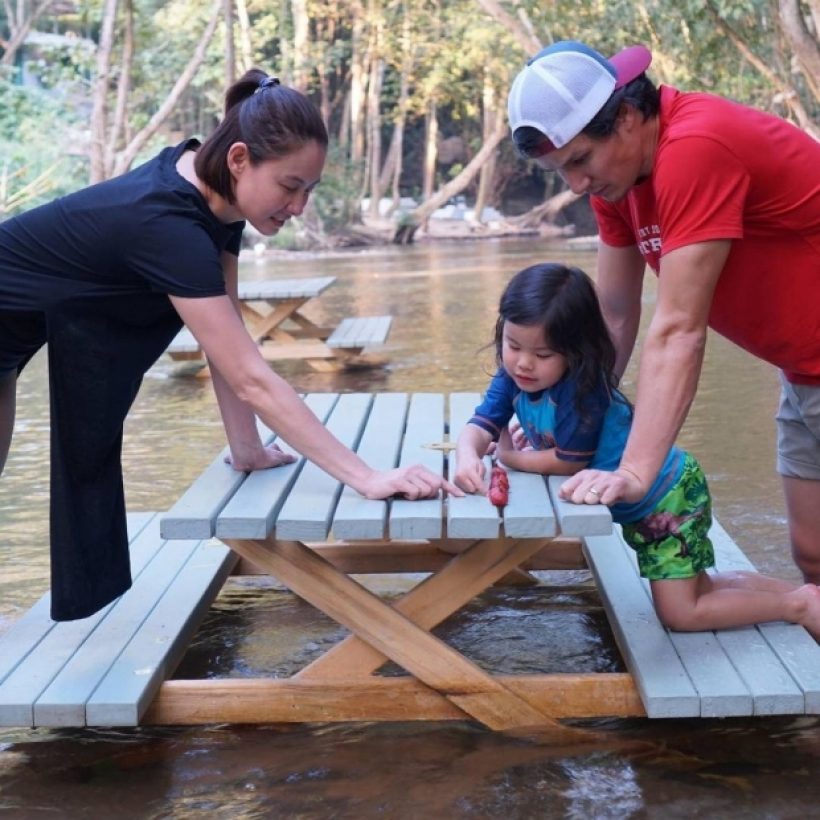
[296,549]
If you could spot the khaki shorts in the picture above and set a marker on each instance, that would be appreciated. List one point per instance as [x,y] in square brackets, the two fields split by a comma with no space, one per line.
[798,431]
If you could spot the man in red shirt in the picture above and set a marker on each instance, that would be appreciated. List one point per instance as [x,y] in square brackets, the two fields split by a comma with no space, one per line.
[723,203]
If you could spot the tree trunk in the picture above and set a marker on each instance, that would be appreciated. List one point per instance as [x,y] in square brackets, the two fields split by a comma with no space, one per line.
[430,151]
[357,87]
[520,27]
[406,231]
[802,42]
[375,132]
[20,24]
[99,94]
[245,42]
[789,93]
[545,211]
[140,139]
[230,49]
[487,172]
[117,130]
[301,26]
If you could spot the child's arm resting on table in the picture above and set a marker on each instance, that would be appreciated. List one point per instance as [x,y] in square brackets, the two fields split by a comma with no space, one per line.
[545,462]
[471,448]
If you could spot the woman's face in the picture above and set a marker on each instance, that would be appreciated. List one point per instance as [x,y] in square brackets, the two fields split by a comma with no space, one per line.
[269,193]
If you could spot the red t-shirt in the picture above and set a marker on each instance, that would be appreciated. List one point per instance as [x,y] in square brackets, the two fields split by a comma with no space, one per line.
[725,171]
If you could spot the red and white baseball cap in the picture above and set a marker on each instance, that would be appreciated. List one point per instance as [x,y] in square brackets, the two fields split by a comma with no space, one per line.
[565,85]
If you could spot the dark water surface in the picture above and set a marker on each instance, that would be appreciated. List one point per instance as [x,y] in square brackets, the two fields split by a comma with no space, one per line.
[443,298]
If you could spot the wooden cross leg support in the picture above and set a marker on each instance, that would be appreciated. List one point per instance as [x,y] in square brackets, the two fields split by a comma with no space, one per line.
[400,633]
[446,685]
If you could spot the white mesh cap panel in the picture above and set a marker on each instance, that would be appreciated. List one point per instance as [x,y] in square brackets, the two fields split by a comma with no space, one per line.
[559,94]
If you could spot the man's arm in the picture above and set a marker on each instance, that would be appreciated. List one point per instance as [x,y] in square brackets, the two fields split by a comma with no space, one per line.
[670,365]
[619,285]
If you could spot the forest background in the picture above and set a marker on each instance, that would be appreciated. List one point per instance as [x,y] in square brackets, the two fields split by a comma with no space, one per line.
[413,91]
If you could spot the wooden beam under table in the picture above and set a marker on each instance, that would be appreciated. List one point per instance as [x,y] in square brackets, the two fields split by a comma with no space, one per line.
[195,702]
[467,686]
[378,557]
[466,575]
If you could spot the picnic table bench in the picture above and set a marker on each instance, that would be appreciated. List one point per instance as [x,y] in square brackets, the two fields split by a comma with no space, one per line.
[272,311]
[301,526]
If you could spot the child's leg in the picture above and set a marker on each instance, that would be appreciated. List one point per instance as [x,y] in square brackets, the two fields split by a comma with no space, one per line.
[695,604]
[744,579]
[8,389]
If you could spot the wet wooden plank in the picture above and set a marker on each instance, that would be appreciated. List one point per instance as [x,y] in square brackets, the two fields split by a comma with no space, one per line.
[362,518]
[578,519]
[425,424]
[308,510]
[253,507]
[661,679]
[472,516]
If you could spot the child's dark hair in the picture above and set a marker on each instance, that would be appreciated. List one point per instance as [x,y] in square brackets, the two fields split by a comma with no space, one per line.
[563,301]
[271,119]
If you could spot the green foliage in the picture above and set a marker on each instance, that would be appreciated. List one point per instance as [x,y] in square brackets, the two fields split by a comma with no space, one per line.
[40,146]
[336,198]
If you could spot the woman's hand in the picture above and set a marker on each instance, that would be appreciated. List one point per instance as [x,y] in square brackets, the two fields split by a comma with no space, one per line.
[603,487]
[261,459]
[413,483]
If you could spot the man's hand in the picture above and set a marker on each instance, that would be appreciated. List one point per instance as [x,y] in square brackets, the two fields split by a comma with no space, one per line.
[602,487]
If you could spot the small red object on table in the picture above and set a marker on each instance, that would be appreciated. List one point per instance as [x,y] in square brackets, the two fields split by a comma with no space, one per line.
[499,492]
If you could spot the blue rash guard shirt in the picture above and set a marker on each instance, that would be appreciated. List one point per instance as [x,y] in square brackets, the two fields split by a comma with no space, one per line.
[550,420]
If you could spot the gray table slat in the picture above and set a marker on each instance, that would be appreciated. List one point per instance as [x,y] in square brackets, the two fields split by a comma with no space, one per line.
[308,511]
[36,668]
[284,288]
[472,516]
[578,519]
[425,425]
[662,681]
[721,689]
[252,510]
[151,656]
[28,630]
[793,656]
[530,512]
[63,701]
[194,514]
[357,517]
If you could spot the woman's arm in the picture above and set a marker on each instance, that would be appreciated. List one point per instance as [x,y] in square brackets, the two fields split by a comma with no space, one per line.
[219,330]
[246,450]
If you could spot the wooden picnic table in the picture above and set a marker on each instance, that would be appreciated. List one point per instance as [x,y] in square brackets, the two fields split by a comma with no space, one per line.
[316,536]
[301,526]
[273,313]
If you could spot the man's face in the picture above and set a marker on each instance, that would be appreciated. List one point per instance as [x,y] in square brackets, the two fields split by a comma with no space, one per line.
[606,167]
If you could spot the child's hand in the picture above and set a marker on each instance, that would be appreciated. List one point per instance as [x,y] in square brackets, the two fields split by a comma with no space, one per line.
[518,437]
[470,472]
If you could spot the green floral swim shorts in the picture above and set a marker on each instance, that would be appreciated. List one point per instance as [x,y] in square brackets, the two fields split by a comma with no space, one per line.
[673,540]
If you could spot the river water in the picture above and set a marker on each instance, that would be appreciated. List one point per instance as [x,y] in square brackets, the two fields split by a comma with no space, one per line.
[443,297]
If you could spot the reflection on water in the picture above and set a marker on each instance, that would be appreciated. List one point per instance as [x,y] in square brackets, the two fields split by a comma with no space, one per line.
[443,298]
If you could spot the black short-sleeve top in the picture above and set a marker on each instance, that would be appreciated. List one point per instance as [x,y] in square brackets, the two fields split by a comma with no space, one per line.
[148,233]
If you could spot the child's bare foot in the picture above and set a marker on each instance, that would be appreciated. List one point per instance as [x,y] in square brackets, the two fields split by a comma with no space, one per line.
[809,597]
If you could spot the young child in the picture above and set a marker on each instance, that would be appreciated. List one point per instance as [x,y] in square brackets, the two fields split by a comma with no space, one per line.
[556,375]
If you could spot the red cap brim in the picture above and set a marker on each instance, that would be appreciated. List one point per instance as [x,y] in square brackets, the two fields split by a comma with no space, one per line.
[630,63]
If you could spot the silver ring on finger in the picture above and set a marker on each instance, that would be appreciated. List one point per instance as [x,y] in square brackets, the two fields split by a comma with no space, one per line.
[593,491]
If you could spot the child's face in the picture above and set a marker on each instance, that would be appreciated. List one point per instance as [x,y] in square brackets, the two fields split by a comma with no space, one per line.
[528,359]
